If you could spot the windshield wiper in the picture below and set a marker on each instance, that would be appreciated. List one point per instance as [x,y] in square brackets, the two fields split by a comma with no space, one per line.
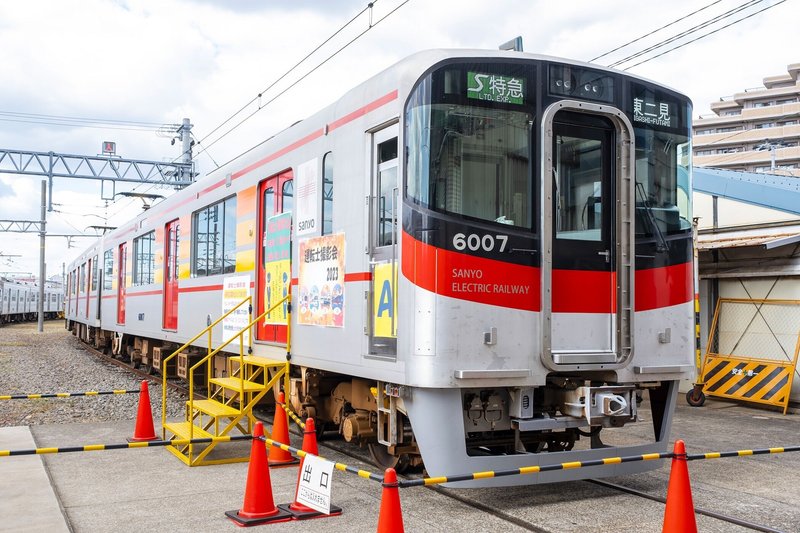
[661,242]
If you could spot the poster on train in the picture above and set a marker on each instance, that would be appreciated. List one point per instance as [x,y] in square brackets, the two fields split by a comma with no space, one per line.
[234,290]
[321,283]
[307,200]
[277,267]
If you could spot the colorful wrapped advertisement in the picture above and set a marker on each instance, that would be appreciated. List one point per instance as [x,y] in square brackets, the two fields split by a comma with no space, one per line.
[321,283]
[277,267]
[384,300]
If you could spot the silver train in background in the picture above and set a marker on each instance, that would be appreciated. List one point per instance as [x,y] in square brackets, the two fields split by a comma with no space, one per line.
[19,301]
[489,255]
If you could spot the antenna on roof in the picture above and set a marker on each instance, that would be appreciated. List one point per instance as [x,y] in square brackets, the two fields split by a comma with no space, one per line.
[514,44]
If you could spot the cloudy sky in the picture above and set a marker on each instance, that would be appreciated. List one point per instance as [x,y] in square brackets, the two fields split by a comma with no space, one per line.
[158,61]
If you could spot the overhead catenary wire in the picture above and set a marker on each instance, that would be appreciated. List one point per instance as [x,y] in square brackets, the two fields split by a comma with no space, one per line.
[206,146]
[282,76]
[620,47]
[689,31]
[334,54]
[704,35]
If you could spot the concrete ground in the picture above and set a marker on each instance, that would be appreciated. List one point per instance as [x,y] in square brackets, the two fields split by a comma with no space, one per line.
[150,490]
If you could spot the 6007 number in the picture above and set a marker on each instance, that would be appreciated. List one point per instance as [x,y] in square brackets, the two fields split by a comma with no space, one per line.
[476,242]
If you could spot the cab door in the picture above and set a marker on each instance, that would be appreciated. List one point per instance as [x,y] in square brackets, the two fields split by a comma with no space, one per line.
[384,211]
[587,267]
[274,273]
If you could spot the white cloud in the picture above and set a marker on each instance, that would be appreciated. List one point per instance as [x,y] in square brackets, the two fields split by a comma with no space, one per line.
[162,60]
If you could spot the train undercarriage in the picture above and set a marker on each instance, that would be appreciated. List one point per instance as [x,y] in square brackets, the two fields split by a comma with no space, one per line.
[497,421]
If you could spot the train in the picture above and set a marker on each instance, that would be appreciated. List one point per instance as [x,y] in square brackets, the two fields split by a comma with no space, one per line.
[19,301]
[489,255]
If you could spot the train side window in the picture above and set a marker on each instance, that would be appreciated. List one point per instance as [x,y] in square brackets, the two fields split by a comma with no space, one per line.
[143,259]
[82,282]
[95,271]
[214,239]
[287,196]
[108,269]
[327,194]
[387,182]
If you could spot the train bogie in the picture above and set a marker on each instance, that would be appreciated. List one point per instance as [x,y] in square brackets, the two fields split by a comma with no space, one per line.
[488,256]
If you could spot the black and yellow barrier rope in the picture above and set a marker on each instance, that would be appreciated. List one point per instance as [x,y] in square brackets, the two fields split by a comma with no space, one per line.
[122,446]
[583,464]
[292,414]
[741,453]
[366,474]
[66,394]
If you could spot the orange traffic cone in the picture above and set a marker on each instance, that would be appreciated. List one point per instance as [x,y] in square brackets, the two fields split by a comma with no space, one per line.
[280,433]
[258,506]
[298,510]
[679,513]
[390,519]
[144,429]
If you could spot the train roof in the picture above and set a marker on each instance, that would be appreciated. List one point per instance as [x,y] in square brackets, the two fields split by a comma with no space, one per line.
[402,76]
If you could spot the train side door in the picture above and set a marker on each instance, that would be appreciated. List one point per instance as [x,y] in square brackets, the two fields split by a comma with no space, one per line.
[384,210]
[170,315]
[587,261]
[123,267]
[274,272]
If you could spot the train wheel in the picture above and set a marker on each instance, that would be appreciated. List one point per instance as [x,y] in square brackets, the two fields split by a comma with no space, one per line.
[695,398]
[383,459]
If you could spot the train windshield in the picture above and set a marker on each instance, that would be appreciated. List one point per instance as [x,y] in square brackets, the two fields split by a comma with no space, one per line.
[468,145]
[663,163]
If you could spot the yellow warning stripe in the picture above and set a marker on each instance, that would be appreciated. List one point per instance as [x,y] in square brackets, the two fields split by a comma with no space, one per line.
[583,464]
[753,380]
[338,466]
[294,416]
[142,444]
[37,396]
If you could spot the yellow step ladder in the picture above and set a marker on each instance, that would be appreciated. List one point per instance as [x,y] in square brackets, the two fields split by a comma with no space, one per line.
[229,401]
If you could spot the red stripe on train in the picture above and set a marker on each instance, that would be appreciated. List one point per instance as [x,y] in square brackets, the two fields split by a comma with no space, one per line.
[466,277]
[663,287]
[492,282]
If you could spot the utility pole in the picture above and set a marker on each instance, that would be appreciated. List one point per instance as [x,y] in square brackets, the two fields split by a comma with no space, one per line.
[42,269]
[186,139]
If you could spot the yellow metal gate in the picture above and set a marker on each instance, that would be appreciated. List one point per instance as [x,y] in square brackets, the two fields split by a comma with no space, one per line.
[752,350]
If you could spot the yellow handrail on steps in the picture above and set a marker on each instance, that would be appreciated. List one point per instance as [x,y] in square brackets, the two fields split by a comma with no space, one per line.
[211,353]
[208,329]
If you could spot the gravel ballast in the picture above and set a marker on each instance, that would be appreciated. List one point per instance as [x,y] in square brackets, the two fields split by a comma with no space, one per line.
[56,361]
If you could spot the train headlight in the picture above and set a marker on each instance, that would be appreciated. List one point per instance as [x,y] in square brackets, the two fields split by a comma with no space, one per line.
[567,80]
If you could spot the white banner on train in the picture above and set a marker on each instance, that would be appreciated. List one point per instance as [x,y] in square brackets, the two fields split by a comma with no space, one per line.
[307,198]
[234,290]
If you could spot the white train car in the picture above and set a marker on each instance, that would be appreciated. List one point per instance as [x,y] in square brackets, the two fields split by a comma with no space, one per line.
[19,301]
[489,254]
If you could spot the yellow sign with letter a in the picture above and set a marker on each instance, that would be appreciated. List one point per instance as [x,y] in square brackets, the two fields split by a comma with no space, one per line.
[384,300]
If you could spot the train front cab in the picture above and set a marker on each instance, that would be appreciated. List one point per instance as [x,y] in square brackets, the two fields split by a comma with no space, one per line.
[547,251]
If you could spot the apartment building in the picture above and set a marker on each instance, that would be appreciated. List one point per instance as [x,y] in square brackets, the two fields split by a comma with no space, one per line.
[756,130]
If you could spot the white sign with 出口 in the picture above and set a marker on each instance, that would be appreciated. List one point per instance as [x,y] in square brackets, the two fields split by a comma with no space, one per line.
[314,489]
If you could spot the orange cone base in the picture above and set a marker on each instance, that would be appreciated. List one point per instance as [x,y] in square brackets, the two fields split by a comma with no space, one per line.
[278,464]
[146,439]
[302,512]
[279,515]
